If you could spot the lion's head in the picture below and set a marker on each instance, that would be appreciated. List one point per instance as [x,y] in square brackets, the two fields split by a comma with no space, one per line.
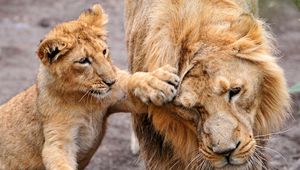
[234,101]
[232,95]
[75,55]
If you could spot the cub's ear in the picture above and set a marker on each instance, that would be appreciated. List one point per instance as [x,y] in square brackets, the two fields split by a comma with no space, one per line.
[51,49]
[94,16]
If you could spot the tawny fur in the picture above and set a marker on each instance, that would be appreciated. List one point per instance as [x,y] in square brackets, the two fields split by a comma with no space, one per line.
[59,122]
[217,47]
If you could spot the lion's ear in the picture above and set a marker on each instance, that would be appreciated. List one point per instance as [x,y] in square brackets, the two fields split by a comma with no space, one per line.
[51,49]
[94,16]
[245,25]
[249,34]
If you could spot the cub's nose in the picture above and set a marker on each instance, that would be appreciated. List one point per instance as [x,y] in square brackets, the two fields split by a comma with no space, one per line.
[225,150]
[110,82]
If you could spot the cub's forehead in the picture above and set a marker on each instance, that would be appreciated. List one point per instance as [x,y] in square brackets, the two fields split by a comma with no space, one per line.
[77,29]
[77,34]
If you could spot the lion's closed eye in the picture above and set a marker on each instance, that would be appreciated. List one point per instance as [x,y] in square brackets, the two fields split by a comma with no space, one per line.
[233,92]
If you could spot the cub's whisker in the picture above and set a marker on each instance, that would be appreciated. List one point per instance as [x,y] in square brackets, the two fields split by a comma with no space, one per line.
[84,95]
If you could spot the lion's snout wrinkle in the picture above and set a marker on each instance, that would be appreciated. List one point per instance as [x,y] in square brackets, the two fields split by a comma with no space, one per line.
[221,129]
[218,122]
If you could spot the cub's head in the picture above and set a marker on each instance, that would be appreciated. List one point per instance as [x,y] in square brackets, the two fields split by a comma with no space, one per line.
[236,96]
[75,56]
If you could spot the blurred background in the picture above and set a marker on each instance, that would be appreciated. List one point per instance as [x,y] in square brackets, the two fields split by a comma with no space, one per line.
[23,23]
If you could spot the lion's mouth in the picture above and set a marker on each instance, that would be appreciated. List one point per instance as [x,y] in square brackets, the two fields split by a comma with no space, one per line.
[241,158]
[237,167]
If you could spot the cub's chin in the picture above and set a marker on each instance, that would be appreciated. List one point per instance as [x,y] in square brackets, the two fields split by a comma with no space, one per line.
[100,94]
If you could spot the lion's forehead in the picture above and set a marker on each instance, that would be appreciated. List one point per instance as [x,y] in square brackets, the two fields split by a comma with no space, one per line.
[225,73]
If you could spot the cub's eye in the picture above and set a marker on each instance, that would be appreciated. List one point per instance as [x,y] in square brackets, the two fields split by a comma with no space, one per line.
[233,92]
[84,61]
[104,52]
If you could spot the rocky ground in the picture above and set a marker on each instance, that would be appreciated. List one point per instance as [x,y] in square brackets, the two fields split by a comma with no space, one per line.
[24,22]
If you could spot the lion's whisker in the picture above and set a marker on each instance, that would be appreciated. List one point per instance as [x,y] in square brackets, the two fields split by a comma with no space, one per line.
[190,163]
[273,150]
[257,139]
[260,154]
[210,167]
[203,165]
[203,162]
[260,159]
[251,162]
[275,133]
[256,162]
[175,163]
[249,165]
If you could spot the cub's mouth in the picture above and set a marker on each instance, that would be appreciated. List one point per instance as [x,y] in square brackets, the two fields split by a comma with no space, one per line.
[100,93]
[102,89]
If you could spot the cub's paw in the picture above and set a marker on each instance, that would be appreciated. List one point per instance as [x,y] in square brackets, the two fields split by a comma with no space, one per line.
[157,87]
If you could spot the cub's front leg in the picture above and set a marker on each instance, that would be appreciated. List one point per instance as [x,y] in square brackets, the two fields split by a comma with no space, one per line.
[60,149]
[142,88]
[157,87]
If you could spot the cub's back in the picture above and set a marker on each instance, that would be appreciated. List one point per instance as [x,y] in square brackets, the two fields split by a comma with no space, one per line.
[21,132]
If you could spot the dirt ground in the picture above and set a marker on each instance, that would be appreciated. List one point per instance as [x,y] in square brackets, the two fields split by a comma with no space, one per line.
[24,22]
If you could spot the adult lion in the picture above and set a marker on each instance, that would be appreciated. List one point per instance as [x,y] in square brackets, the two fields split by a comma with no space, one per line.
[232,94]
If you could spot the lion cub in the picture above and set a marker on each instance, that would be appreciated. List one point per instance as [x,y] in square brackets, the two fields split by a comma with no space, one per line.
[60,122]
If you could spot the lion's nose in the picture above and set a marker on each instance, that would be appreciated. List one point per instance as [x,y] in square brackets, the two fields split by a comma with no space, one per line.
[225,150]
